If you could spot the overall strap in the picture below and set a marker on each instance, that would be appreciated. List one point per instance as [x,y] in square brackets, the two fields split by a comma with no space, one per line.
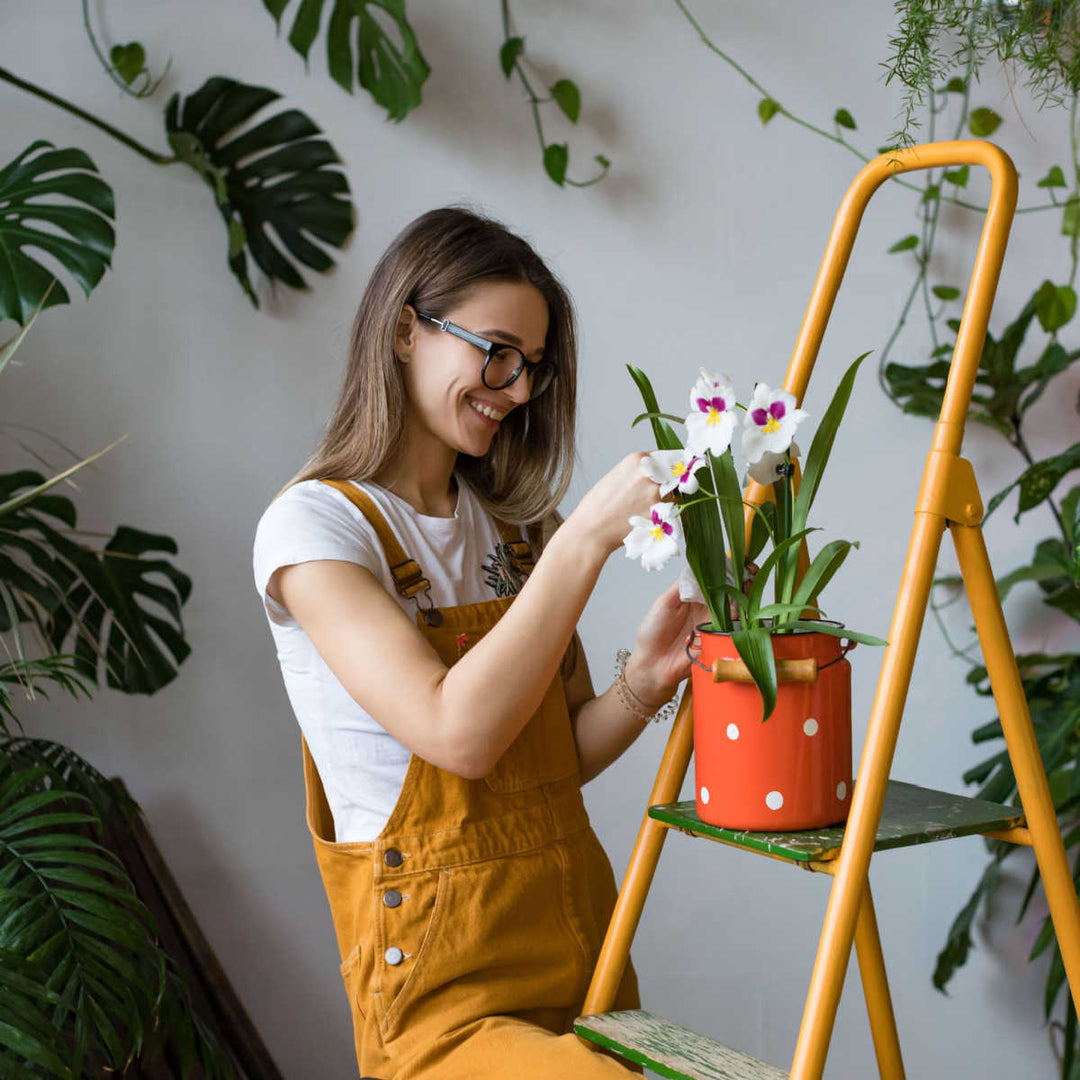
[520,550]
[408,578]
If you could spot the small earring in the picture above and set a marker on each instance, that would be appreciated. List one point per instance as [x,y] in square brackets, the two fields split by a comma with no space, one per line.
[406,357]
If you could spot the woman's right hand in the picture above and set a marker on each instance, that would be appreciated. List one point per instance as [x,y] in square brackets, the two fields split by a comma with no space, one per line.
[603,515]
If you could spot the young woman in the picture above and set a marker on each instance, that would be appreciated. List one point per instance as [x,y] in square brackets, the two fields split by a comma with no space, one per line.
[429,653]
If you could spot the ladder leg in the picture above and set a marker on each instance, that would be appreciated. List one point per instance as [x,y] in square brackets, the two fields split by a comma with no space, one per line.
[845,898]
[611,963]
[876,991]
[1023,748]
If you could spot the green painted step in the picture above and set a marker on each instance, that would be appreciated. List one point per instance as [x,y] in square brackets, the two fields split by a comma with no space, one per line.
[911,815]
[671,1050]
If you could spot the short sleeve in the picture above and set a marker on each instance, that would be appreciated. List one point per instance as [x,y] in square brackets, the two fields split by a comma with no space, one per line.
[310,521]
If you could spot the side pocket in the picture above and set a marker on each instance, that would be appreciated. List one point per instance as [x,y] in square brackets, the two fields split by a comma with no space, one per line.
[355,971]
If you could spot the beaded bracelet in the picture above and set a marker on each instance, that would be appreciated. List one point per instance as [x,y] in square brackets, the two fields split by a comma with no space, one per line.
[642,710]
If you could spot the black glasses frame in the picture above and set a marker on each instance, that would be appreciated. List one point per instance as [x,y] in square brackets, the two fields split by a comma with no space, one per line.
[533,368]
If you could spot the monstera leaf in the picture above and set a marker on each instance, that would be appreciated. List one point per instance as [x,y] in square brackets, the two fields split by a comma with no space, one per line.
[272,175]
[96,600]
[393,76]
[28,188]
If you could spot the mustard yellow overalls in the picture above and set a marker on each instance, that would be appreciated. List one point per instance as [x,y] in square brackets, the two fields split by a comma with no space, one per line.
[470,926]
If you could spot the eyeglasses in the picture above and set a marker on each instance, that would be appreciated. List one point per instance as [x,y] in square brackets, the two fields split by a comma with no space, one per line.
[502,363]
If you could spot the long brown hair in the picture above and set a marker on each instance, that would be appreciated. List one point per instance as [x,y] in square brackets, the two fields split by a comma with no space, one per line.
[432,264]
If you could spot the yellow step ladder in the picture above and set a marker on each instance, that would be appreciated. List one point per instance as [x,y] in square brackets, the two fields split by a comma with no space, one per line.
[884,813]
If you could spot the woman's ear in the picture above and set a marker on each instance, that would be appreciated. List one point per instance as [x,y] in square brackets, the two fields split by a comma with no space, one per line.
[405,335]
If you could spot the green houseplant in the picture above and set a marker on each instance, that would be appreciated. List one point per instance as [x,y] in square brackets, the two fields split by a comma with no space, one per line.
[84,985]
[764,656]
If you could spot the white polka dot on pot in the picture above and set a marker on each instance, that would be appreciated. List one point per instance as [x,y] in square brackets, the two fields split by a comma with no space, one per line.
[774,800]
[733,731]
[841,791]
[705,795]
[810,726]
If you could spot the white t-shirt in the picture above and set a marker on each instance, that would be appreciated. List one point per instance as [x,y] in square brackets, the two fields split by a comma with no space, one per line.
[362,765]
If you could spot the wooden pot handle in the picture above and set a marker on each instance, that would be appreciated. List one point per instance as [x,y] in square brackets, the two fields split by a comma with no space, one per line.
[804,671]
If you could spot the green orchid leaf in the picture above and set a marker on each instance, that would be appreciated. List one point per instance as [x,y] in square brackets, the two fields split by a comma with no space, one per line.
[568,97]
[761,578]
[821,570]
[838,631]
[79,237]
[391,71]
[767,109]
[651,415]
[556,157]
[666,439]
[1054,178]
[731,509]
[763,528]
[821,447]
[274,175]
[705,545]
[509,51]
[906,244]
[983,122]
[754,645]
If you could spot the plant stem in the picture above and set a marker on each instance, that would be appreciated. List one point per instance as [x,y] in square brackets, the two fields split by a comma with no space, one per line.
[82,114]
[535,102]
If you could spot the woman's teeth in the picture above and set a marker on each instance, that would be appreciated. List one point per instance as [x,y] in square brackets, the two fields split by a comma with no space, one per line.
[487,410]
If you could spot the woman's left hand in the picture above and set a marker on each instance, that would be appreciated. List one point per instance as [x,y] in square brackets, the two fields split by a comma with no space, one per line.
[659,661]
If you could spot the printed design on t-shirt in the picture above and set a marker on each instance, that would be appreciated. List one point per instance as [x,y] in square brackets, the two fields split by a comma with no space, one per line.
[502,570]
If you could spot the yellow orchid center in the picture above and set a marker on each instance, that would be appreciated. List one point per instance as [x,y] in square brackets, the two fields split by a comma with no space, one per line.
[771,425]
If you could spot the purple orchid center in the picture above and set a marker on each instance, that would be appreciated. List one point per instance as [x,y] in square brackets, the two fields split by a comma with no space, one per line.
[759,416]
[660,523]
[777,410]
[689,469]
[705,404]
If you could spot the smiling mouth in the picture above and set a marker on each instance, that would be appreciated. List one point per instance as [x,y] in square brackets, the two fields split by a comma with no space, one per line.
[486,411]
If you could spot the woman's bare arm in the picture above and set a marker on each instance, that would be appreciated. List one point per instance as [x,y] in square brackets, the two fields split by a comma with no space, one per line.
[463,718]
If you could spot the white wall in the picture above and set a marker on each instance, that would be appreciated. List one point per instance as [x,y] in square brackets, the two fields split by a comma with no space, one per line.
[701,248]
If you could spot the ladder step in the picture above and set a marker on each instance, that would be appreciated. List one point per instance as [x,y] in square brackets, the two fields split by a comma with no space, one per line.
[911,815]
[669,1049]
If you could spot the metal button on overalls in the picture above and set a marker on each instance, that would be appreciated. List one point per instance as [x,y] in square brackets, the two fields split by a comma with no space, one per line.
[392,857]
[391,898]
[393,955]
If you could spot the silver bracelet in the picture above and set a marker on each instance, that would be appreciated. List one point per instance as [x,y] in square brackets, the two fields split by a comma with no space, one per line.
[641,709]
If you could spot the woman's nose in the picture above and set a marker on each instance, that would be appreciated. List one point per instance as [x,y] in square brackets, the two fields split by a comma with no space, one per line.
[519,389]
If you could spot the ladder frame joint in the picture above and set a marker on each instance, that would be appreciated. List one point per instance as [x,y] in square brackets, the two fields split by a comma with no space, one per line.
[949,490]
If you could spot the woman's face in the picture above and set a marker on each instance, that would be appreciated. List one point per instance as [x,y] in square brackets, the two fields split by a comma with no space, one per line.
[443,373]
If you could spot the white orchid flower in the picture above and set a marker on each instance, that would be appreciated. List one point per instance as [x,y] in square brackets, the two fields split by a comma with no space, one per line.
[654,540]
[711,422]
[673,469]
[767,468]
[770,422]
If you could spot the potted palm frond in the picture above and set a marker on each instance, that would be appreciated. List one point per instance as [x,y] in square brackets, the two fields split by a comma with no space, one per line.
[85,987]
[762,657]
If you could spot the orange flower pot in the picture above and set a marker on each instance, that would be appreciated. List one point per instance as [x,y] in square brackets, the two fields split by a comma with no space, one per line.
[792,771]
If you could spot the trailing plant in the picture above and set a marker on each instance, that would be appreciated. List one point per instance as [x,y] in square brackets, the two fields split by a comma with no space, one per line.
[84,985]
[938,51]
